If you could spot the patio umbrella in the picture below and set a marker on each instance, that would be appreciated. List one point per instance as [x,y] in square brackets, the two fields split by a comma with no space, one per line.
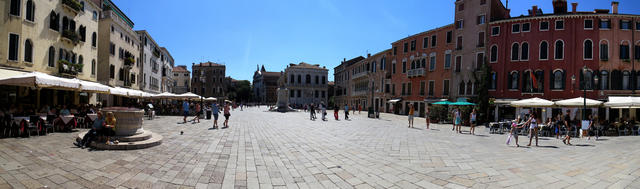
[188,95]
[532,102]
[443,103]
[623,102]
[462,104]
[41,80]
[165,95]
[210,99]
[578,102]
[118,91]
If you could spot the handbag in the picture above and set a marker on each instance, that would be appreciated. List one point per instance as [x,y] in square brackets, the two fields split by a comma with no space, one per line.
[509,139]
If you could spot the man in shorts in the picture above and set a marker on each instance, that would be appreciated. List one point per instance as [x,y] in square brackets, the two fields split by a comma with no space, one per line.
[216,111]
[185,110]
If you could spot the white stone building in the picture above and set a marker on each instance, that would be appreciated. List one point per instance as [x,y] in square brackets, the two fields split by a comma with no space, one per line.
[306,83]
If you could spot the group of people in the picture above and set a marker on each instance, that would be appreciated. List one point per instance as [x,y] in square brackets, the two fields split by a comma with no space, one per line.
[213,107]
[101,128]
[313,109]
[557,124]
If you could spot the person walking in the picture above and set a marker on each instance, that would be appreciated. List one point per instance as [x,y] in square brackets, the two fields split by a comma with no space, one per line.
[589,128]
[533,127]
[411,111]
[473,122]
[453,119]
[346,112]
[227,114]
[567,124]
[515,127]
[558,124]
[458,121]
[185,110]
[198,112]
[336,109]
[359,108]
[426,116]
[312,112]
[215,111]
[323,107]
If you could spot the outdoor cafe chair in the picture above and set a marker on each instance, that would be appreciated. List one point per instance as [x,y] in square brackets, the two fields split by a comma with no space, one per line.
[48,124]
[622,130]
[34,124]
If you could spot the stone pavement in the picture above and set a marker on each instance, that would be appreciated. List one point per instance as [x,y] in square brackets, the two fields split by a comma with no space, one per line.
[276,150]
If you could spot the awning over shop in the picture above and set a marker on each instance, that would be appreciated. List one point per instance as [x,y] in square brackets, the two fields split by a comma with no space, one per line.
[118,91]
[188,95]
[89,86]
[578,102]
[5,73]
[210,99]
[394,100]
[41,80]
[623,102]
[166,95]
[428,100]
[532,102]
[504,101]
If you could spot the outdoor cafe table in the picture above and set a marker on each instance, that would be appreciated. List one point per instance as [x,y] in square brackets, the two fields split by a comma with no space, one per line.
[18,120]
[66,119]
[92,117]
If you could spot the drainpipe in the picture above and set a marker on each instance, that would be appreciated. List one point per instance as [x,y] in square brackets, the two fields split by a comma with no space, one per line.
[633,58]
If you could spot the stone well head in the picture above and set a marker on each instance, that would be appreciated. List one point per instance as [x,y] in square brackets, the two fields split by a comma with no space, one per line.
[128,120]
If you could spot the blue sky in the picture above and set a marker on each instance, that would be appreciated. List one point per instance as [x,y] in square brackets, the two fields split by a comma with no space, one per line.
[244,33]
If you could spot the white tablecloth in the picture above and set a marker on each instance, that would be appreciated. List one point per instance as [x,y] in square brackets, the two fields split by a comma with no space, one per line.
[66,119]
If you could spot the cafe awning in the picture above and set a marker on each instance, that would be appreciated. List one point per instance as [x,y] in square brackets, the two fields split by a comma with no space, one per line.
[532,102]
[165,95]
[578,102]
[118,91]
[89,86]
[188,95]
[210,99]
[5,73]
[623,102]
[41,80]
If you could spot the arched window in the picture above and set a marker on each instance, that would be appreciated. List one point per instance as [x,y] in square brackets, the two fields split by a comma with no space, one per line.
[424,63]
[624,50]
[299,79]
[514,80]
[586,80]
[413,65]
[31,7]
[93,67]
[559,52]
[588,49]
[544,50]
[469,88]
[461,88]
[82,30]
[65,23]
[604,50]
[94,41]
[604,80]
[15,7]
[317,80]
[54,21]
[525,51]
[558,80]
[494,53]
[52,57]
[625,80]
[80,61]
[28,51]
[515,51]
[307,79]
[292,79]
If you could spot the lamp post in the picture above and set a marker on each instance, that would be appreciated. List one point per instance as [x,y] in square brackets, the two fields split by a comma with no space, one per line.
[584,88]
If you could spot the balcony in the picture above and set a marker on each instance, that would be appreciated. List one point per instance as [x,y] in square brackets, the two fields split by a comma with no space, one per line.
[129,61]
[418,72]
[72,5]
[71,36]
[359,75]
[68,69]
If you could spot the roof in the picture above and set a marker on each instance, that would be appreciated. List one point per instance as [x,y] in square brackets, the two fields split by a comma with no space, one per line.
[353,60]
[424,32]
[206,64]
[567,15]
[306,65]
[180,69]
[331,83]
[271,74]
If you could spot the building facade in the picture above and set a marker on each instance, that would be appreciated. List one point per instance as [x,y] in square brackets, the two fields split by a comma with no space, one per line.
[342,81]
[307,83]
[150,76]
[182,79]
[208,79]
[53,37]
[265,86]
[167,70]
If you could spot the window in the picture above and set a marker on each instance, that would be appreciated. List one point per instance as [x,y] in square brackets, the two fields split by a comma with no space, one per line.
[395,50]
[422,87]
[494,54]
[52,57]
[604,80]
[54,20]
[445,88]
[121,75]
[431,87]
[459,43]
[458,63]
[461,88]
[625,80]
[544,26]
[292,93]
[393,67]
[406,47]
[15,8]
[95,15]
[525,51]
[82,5]
[604,51]
[307,79]
[469,88]
[133,78]
[559,53]
[624,51]
[112,49]
[447,60]
[481,39]
[433,41]
[638,25]
[409,89]
[94,42]
[513,80]
[605,24]
[299,79]
[588,24]
[480,19]
[112,71]
[461,7]
[558,80]
[30,10]
[459,24]
[449,36]
[14,45]
[324,80]
[432,62]
[28,51]
[559,24]
[515,51]
[425,42]
[588,50]
[479,60]
[515,28]
[526,27]
[93,67]
[482,2]
[404,85]
[323,94]
[625,24]
[82,30]
[413,45]
[637,52]
[299,95]
[404,67]
[393,89]
[495,31]
[292,79]
[544,50]
[586,80]
[317,80]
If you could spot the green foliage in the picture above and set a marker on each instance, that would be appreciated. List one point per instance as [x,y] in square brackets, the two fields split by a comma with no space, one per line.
[439,113]
[241,92]
[66,67]
[73,4]
[71,35]
[484,77]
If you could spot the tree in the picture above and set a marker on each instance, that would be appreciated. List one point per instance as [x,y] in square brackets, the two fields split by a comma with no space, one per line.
[241,92]
[483,75]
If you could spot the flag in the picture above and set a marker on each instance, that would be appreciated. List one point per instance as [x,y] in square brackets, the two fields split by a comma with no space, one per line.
[534,83]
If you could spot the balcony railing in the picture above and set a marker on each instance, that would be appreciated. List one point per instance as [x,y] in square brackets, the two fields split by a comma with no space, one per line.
[73,5]
[415,72]
[68,69]
[361,74]
[71,36]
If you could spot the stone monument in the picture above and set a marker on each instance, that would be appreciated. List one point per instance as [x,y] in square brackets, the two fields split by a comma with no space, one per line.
[283,96]
[128,131]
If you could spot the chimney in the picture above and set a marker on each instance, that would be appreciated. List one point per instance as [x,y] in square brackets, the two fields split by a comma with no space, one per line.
[368,55]
[534,10]
[614,7]
[559,6]
[574,7]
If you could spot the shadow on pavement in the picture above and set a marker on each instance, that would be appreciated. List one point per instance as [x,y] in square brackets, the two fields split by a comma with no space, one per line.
[585,145]
[548,146]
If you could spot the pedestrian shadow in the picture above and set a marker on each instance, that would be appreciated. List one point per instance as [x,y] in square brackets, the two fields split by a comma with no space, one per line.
[482,135]
[585,145]
[547,146]
[212,129]
[602,139]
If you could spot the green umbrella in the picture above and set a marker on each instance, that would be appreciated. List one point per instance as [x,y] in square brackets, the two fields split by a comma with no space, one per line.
[443,103]
[462,104]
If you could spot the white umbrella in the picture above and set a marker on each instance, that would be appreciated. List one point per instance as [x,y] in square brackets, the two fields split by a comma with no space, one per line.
[135,93]
[165,95]
[118,91]
[623,102]
[210,99]
[532,102]
[41,80]
[93,86]
[578,102]
[188,95]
